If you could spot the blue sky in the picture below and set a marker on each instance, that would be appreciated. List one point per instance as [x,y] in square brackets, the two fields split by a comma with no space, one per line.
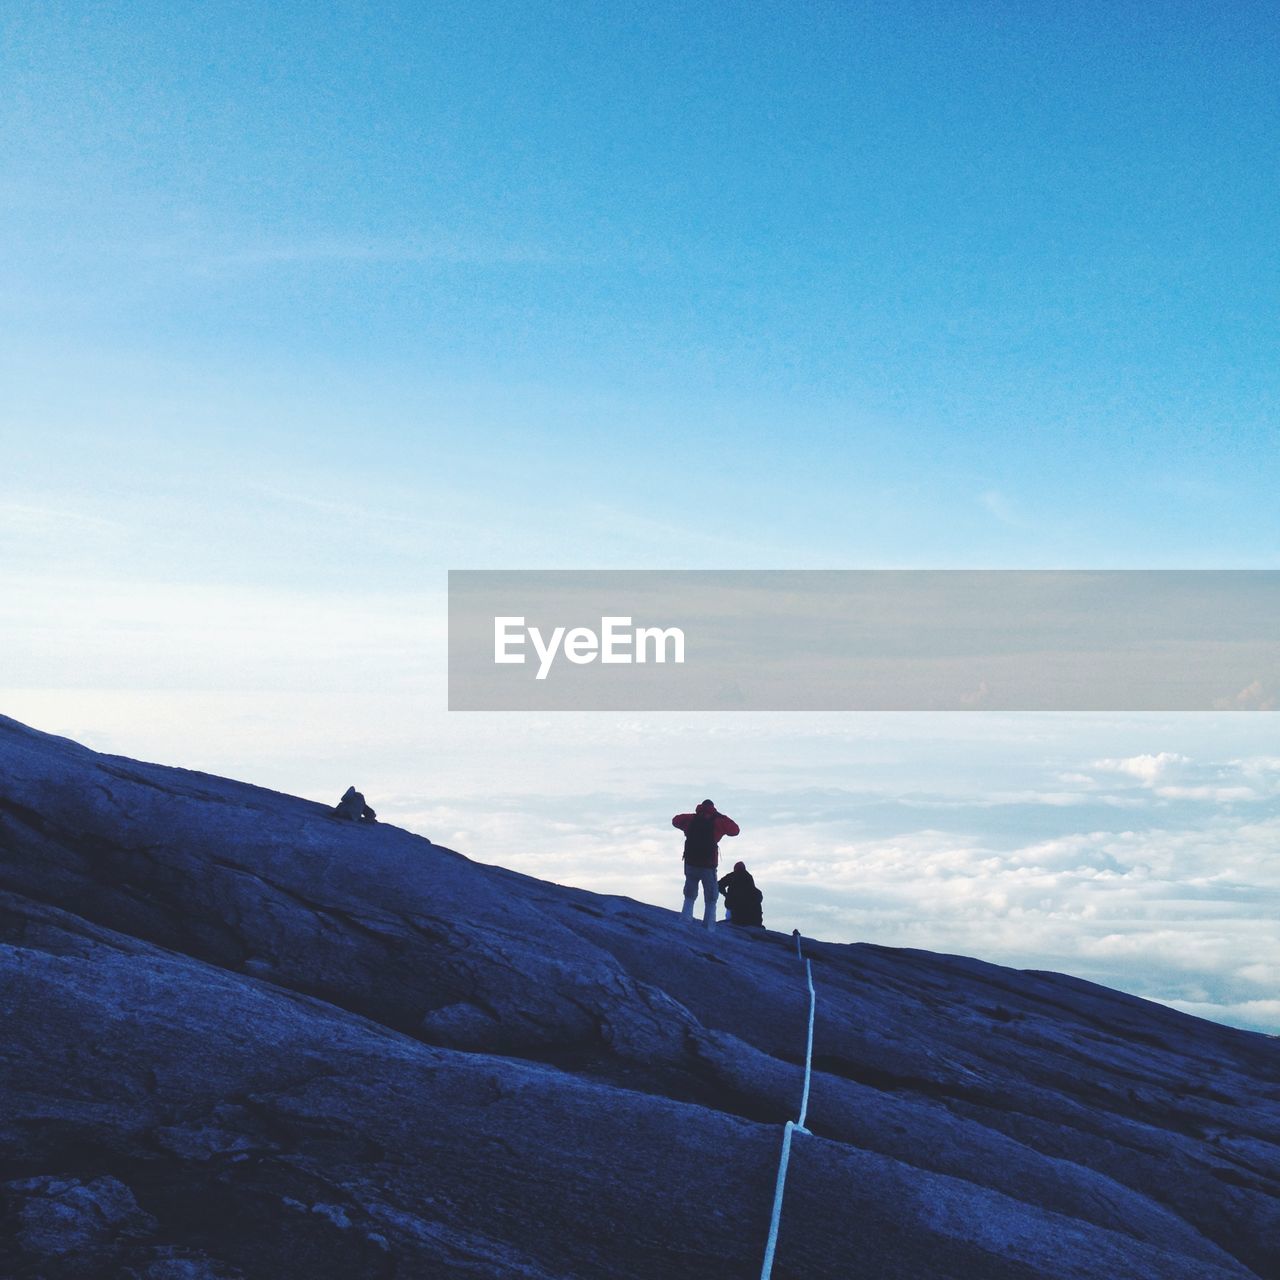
[305,305]
[911,277]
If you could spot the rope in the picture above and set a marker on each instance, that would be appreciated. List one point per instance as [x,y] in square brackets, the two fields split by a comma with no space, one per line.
[808,1050]
[792,1126]
[767,1269]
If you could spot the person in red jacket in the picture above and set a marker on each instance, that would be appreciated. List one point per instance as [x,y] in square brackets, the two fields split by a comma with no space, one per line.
[703,830]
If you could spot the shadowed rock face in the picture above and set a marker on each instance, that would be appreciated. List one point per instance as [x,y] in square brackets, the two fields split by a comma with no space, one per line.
[242,1039]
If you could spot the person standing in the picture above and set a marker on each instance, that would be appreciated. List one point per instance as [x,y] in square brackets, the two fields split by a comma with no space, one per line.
[703,830]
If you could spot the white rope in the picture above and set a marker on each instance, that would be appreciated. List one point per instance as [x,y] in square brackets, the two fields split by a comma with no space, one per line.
[767,1270]
[792,1126]
[808,1051]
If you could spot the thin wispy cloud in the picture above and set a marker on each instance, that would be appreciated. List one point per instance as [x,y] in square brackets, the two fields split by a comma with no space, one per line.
[39,518]
[1002,508]
[212,253]
[355,250]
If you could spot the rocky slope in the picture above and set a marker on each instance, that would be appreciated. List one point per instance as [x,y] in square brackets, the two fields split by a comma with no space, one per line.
[242,1039]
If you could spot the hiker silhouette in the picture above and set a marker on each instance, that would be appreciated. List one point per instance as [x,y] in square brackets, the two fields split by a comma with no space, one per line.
[353,808]
[741,897]
[703,830]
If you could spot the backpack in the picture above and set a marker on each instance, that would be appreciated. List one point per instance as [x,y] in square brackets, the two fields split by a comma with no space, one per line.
[700,841]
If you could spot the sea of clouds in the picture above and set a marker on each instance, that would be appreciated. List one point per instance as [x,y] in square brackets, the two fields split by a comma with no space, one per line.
[1155,872]
[1138,851]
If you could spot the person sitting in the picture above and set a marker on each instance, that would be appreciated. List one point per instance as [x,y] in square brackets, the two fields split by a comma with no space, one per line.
[352,807]
[741,897]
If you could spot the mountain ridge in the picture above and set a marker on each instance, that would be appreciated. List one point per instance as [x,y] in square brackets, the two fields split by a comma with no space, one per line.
[220,996]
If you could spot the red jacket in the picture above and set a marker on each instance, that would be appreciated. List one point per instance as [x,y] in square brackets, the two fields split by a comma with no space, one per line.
[724,826]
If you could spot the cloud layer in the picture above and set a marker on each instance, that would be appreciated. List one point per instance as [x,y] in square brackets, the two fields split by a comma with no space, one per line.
[1155,873]
[1135,851]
